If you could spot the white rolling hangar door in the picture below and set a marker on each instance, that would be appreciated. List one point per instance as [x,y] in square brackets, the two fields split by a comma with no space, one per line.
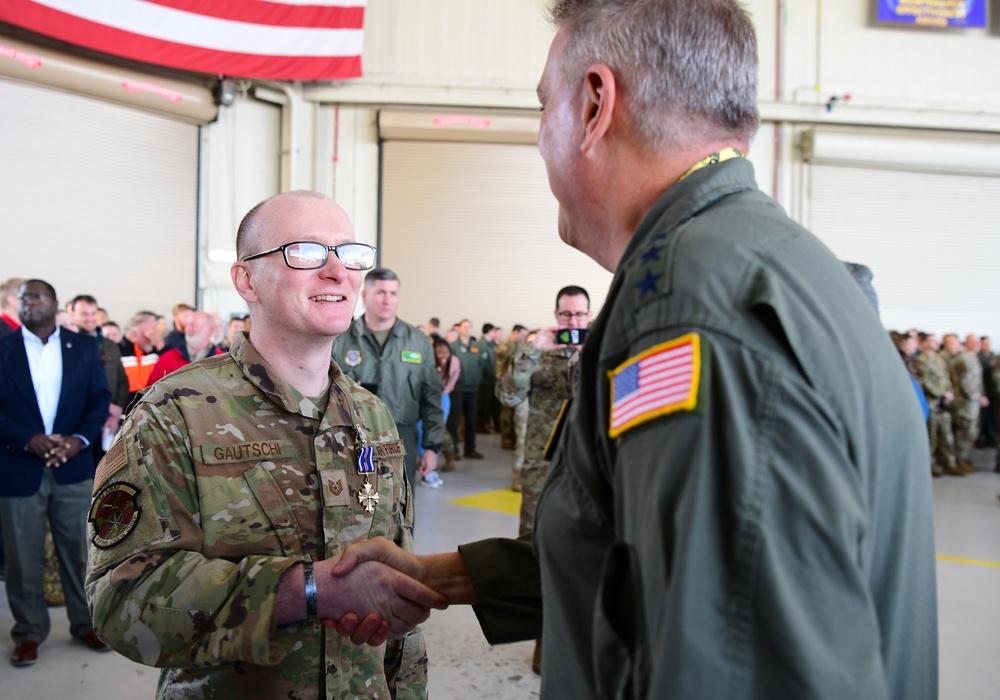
[920,209]
[468,221]
[97,197]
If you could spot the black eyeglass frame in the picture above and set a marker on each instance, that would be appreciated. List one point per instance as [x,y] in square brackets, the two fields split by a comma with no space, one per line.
[326,258]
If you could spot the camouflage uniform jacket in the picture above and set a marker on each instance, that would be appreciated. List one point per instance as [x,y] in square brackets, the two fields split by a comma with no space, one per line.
[967,378]
[934,376]
[547,380]
[222,479]
[505,351]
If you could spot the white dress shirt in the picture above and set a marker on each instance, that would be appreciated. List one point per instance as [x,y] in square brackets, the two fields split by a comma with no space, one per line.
[46,365]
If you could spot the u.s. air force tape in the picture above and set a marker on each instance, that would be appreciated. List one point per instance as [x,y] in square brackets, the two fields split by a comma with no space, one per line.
[114,513]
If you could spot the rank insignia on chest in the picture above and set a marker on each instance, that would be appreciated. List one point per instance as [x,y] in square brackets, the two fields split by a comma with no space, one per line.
[114,514]
[353,358]
[661,380]
[336,491]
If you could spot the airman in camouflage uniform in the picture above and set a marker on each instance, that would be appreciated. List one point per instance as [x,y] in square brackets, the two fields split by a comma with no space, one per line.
[967,380]
[931,370]
[226,480]
[504,352]
[543,373]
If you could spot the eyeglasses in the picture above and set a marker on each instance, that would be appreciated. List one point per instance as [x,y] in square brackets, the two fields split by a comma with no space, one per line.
[310,255]
[34,296]
[567,315]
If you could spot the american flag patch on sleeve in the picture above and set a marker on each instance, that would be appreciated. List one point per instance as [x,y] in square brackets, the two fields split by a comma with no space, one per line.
[661,380]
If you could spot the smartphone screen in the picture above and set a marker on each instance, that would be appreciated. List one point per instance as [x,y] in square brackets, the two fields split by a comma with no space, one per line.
[571,336]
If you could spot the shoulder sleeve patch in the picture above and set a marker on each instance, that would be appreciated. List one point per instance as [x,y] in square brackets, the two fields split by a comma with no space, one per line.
[661,380]
[114,513]
[352,358]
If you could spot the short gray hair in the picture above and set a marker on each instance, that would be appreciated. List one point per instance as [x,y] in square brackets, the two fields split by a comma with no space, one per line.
[685,68]
[380,274]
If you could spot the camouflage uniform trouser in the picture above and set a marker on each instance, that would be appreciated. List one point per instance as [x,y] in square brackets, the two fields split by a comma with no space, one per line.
[508,438]
[532,480]
[942,438]
[966,425]
[520,431]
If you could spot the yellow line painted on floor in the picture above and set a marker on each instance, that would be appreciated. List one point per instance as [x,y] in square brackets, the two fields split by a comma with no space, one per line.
[971,562]
[501,500]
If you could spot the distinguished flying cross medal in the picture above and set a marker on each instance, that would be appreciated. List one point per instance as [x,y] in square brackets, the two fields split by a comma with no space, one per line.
[368,497]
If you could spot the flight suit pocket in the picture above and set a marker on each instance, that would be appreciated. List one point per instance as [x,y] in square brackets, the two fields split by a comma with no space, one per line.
[619,651]
[246,514]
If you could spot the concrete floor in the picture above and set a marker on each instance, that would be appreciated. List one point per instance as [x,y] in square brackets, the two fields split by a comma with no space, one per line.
[967,515]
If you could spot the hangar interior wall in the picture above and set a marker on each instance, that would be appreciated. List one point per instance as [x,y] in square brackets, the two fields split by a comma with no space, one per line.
[470,228]
[98,199]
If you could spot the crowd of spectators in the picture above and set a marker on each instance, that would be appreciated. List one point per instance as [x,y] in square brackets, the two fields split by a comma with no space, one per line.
[958,382]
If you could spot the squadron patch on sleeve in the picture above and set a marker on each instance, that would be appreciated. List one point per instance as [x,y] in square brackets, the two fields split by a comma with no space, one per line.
[114,514]
[661,380]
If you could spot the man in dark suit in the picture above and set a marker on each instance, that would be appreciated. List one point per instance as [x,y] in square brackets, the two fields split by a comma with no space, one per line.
[54,399]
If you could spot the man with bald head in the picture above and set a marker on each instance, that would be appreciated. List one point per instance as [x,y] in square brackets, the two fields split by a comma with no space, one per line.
[238,479]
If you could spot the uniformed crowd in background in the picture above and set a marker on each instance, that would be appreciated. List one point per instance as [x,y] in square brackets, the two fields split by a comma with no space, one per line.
[959,384]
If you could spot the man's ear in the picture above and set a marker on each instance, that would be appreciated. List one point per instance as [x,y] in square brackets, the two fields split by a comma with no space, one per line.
[600,95]
[241,280]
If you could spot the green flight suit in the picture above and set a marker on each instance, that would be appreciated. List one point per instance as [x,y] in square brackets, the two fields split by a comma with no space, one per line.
[760,526]
[404,375]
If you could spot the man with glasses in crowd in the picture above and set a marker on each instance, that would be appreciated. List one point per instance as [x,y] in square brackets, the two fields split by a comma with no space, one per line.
[237,479]
[54,400]
[543,373]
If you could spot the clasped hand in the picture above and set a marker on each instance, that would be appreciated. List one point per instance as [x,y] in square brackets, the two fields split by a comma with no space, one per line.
[54,450]
[389,595]
[394,609]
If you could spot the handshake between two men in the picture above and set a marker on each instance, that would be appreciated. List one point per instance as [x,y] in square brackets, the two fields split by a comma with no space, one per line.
[376,590]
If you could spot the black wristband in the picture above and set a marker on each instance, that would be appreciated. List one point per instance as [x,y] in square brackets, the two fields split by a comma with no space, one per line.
[312,604]
[433,448]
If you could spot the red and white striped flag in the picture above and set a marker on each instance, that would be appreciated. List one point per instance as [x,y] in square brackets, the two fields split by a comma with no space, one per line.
[658,381]
[276,39]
